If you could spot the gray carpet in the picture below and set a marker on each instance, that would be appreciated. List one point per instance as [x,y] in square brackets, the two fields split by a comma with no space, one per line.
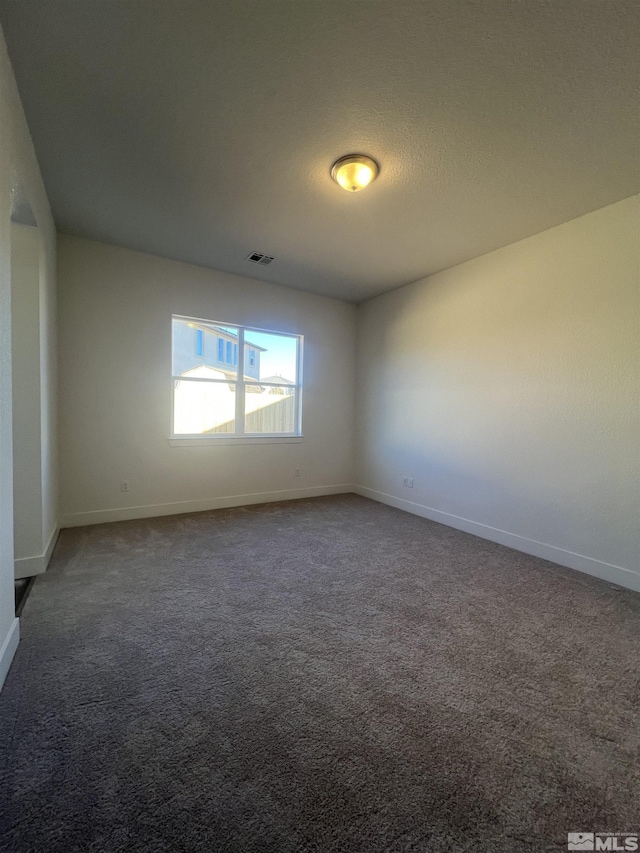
[320,675]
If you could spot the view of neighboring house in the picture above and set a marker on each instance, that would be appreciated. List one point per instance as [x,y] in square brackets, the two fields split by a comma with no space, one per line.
[280,381]
[208,353]
[201,344]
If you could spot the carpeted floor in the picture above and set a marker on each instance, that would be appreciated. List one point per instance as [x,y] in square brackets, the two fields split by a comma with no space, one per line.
[320,675]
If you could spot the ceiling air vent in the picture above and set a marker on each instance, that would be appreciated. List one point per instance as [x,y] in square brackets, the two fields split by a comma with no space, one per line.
[259,258]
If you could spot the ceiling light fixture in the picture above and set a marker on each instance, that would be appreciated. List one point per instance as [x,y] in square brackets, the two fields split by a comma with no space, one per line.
[354,172]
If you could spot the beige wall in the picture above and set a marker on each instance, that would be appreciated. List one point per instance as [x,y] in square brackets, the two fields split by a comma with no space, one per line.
[115,390]
[26,396]
[34,402]
[507,387]
[20,181]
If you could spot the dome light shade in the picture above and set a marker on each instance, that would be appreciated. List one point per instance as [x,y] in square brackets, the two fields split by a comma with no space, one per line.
[354,172]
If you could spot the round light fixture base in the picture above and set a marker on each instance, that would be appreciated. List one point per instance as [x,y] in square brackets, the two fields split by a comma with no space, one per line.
[354,172]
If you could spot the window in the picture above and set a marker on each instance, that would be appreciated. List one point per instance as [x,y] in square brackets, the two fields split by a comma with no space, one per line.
[253,389]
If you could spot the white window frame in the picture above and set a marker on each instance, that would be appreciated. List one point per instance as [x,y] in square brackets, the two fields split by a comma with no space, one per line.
[239,436]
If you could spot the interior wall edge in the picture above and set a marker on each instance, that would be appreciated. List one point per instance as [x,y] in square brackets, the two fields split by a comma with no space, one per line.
[20,177]
[8,649]
[27,567]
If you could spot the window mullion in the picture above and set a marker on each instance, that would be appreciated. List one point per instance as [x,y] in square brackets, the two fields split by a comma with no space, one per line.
[298,388]
[240,395]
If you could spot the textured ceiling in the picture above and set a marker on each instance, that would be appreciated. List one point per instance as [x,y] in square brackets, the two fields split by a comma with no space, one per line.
[205,130]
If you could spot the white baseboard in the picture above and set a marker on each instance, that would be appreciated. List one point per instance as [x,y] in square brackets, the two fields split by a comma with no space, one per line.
[26,567]
[8,649]
[80,519]
[588,565]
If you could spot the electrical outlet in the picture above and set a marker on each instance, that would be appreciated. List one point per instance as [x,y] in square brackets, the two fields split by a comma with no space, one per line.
[405,481]
[410,482]
[297,470]
[124,486]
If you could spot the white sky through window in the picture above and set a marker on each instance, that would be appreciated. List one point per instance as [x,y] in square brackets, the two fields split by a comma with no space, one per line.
[279,357]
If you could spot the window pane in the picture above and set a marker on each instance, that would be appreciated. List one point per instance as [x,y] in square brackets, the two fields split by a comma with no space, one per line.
[205,360]
[204,408]
[200,349]
[270,358]
[269,410]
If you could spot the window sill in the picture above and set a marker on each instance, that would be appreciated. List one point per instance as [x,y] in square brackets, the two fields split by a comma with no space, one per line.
[189,441]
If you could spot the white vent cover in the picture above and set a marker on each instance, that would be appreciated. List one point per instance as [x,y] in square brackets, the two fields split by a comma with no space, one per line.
[259,258]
